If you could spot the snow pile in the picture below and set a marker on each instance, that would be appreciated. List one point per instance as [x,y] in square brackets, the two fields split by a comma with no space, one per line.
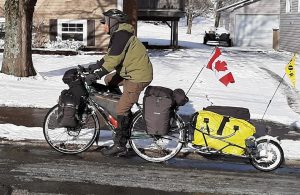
[64,44]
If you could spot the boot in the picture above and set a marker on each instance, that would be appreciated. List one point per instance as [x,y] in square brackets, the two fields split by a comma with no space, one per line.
[115,150]
[120,138]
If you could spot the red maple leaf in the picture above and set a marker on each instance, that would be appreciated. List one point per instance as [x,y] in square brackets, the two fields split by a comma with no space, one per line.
[221,66]
[228,78]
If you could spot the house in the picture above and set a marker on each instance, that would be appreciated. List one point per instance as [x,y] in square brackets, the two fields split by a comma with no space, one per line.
[80,20]
[290,25]
[69,19]
[251,23]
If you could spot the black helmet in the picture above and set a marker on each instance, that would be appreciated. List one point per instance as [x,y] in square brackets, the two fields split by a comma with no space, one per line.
[113,17]
[116,14]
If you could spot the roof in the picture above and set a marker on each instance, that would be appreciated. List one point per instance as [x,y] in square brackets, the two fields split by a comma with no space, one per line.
[237,4]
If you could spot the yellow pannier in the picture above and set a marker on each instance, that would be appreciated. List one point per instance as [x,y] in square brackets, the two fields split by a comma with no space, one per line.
[221,131]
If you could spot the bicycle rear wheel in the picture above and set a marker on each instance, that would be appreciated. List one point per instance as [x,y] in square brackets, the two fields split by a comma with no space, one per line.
[155,148]
[70,140]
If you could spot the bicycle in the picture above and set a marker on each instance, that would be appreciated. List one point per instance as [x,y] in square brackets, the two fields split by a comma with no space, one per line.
[81,138]
[153,148]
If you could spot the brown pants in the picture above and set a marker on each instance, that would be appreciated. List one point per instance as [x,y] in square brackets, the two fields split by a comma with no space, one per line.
[131,92]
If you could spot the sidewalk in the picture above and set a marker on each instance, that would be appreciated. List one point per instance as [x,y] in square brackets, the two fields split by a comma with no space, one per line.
[34,117]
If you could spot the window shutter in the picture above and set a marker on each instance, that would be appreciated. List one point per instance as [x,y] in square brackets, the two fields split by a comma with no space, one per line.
[91,33]
[53,29]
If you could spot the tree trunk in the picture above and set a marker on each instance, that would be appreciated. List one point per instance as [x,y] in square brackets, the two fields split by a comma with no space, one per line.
[219,4]
[130,7]
[190,17]
[17,57]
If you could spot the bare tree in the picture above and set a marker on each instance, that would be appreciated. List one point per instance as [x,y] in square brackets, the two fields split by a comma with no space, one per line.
[220,4]
[39,37]
[17,57]
[195,8]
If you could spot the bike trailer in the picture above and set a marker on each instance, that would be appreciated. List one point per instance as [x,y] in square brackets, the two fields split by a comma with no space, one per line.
[221,132]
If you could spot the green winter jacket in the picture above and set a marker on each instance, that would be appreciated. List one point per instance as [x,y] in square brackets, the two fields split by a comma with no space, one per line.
[135,65]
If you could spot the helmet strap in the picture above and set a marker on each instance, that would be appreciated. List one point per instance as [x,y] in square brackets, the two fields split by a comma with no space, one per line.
[113,27]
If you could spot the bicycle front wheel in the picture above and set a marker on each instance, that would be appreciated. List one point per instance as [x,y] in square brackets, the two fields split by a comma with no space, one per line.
[70,140]
[155,148]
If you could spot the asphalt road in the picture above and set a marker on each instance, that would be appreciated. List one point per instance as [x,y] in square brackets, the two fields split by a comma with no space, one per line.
[37,169]
[41,170]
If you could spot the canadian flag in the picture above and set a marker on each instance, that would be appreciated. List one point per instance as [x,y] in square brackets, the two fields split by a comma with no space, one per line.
[219,66]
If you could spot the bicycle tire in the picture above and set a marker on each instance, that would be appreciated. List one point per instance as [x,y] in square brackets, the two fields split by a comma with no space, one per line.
[67,140]
[154,148]
[272,159]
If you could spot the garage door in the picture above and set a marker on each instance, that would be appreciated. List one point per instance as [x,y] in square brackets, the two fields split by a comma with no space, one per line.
[255,30]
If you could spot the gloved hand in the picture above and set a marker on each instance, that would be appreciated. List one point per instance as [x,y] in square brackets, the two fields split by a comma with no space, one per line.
[91,78]
[95,66]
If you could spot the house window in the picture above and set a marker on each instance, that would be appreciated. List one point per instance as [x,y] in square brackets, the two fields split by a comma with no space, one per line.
[287,6]
[73,30]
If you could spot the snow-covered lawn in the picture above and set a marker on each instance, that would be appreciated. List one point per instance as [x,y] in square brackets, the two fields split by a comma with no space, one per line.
[257,73]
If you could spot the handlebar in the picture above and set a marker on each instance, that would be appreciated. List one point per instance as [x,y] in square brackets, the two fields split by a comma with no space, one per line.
[82,71]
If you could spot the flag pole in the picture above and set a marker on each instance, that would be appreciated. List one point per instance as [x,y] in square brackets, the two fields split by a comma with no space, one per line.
[198,74]
[194,80]
[273,96]
[291,63]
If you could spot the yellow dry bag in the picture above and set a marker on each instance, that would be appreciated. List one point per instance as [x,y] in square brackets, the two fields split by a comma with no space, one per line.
[221,132]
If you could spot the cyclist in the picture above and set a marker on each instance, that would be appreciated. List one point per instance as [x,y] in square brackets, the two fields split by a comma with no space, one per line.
[131,68]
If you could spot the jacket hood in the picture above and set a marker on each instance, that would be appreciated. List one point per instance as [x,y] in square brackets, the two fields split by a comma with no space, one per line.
[125,26]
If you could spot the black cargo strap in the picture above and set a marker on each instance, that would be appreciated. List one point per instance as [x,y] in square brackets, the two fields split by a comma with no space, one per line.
[222,125]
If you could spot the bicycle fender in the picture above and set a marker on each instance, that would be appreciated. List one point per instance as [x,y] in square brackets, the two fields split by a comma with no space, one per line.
[268,137]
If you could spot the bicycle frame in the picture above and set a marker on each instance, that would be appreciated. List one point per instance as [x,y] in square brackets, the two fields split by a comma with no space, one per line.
[107,117]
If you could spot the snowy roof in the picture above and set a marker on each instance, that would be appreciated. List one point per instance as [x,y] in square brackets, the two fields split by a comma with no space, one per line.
[237,4]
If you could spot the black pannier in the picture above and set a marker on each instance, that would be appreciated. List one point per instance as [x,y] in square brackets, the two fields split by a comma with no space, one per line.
[179,97]
[157,103]
[71,102]
[67,110]
[70,76]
